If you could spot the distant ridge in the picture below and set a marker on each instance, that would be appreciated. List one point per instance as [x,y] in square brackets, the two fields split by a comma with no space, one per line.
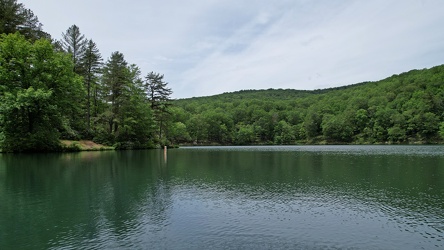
[294,93]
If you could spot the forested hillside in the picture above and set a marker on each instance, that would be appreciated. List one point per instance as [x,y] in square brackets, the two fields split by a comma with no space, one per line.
[405,108]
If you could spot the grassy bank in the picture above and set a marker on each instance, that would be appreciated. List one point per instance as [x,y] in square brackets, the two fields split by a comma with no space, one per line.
[83,145]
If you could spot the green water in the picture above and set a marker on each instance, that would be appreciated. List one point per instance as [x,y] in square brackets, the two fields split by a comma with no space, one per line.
[296,197]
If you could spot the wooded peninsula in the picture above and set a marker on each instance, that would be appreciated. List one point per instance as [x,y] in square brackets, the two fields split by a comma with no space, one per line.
[53,90]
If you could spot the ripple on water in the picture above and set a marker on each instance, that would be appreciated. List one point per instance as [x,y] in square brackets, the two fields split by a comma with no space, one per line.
[313,216]
[416,150]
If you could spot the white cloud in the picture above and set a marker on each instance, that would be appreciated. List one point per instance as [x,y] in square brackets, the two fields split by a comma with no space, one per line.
[210,47]
[350,43]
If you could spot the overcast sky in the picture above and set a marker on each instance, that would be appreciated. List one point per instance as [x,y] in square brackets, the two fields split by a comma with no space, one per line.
[207,47]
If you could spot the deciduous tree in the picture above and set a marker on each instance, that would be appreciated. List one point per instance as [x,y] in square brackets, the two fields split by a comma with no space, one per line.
[38,94]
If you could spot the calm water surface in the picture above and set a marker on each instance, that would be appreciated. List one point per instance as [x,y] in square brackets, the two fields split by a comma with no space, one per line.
[295,197]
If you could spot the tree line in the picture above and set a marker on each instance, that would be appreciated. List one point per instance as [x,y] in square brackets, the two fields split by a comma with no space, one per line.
[61,89]
[405,108]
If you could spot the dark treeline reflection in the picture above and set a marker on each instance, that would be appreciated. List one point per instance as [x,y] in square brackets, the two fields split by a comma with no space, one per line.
[124,199]
[75,197]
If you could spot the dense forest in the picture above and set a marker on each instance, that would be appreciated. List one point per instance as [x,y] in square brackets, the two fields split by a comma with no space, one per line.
[405,108]
[63,89]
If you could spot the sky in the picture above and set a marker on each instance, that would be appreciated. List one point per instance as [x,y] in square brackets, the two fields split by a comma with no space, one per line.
[208,47]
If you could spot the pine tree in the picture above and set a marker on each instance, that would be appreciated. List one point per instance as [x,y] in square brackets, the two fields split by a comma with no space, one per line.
[158,95]
[127,121]
[136,119]
[31,27]
[74,42]
[14,17]
[115,83]
[156,90]
[91,62]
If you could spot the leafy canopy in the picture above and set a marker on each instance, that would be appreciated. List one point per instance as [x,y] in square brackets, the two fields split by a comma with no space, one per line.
[38,94]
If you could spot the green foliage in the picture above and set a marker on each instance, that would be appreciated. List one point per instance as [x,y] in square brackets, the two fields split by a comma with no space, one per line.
[396,134]
[197,128]
[63,91]
[38,92]
[91,63]
[244,135]
[441,130]
[74,147]
[158,95]
[14,17]
[284,133]
[404,108]
[48,92]
[178,133]
[115,82]
[336,129]
[127,117]
[75,44]
[137,124]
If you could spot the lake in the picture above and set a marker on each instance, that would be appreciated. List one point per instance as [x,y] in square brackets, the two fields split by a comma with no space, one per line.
[289,197]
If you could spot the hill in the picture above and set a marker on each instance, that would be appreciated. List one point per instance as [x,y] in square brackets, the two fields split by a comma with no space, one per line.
[404,108]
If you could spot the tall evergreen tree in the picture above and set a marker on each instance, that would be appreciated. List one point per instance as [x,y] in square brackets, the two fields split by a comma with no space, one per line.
[14,17]
[31,27]
[158,95]
[74,43]
[136,116]
[156,89]
[10,16]
[91,62]
[115,82]
[127,120]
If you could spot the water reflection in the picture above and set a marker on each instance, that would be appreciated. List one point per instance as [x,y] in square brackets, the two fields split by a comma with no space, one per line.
[258,197]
